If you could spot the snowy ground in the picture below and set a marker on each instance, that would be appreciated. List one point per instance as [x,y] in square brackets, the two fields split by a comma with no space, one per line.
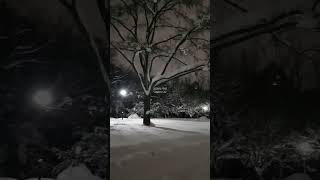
[170,150]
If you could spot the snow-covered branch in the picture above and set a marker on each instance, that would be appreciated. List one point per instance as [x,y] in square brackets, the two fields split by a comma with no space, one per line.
[165,56]
[162,78]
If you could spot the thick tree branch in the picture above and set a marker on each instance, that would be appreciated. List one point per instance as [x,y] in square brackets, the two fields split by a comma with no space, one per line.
[153,24]
[118,32]
[256,27]
[162,55]
[166,40]
[249,35]
[121,53]
[180,72]
[237,6]
[126,27]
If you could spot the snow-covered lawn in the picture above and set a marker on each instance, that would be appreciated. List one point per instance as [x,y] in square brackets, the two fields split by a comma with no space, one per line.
[132,131]
[170,150]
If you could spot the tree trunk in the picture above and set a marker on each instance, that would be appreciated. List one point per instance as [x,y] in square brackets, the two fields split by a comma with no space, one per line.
[146,110]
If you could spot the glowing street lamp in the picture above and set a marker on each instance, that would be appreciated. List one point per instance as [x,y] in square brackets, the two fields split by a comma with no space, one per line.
[205,108]
[123,93]
[43,98]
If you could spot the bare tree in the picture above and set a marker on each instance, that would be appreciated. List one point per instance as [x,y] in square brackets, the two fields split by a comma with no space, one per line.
[155,38]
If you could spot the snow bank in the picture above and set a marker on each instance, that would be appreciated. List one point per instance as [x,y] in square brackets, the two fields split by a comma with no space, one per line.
[134,116]
[80,172]
[298,176]
[204,118]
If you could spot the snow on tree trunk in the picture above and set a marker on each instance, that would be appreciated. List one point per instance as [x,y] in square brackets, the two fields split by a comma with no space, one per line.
[146,110]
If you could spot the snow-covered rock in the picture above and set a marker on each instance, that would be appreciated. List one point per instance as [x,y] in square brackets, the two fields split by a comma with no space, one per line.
[134,116]
[298,176]
[80,172]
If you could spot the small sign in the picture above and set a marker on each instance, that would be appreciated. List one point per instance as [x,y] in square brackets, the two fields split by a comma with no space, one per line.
[160,90]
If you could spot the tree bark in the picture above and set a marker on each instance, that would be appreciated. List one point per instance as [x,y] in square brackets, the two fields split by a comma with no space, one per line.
[146,110]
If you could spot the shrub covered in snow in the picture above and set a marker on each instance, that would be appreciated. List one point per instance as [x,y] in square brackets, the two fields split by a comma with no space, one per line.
[92,151]
[280,158]
[166,109]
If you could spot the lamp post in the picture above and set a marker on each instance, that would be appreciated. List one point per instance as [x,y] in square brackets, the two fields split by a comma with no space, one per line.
[123,93]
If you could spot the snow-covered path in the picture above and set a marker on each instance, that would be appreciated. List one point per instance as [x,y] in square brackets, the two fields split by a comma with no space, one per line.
[171,150]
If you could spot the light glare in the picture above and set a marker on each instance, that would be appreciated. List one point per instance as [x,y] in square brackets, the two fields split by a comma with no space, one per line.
[123,92]
[205,108]
[43,98]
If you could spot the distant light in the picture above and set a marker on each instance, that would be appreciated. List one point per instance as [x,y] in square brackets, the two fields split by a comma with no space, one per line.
[123,93]
[205,108]
[43,98]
